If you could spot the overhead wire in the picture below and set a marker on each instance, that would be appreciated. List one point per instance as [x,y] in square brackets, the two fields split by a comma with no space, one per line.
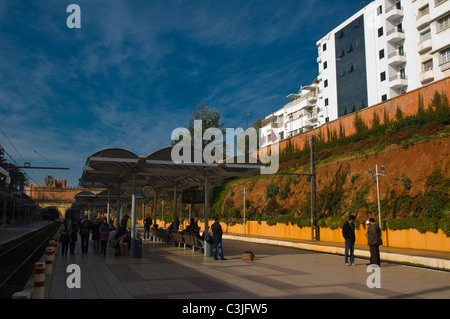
[9,155]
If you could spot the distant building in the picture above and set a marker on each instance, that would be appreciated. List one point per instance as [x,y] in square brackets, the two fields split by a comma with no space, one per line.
[298,116]
[386,49]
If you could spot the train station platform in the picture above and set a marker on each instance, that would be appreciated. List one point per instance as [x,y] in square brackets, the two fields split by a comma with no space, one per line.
[278,272]
[14,231]
[417,257]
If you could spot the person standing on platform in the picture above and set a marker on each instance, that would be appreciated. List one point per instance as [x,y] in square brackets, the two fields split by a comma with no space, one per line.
[85,230]
[374,241]
[217,239]
[73,233]
[104,236]
[96,236]
[348,231]
[147,224]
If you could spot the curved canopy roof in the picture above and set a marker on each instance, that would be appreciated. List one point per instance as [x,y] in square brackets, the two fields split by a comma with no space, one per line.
[108,168]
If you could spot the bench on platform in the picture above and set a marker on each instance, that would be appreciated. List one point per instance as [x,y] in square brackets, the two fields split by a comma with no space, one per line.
[177,237]
[160,234]
[192,240]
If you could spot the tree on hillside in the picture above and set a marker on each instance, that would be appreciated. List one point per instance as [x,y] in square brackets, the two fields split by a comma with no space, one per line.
[204,118]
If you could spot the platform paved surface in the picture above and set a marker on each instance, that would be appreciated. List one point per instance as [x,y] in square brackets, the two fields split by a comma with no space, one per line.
[168,272]
[13,231]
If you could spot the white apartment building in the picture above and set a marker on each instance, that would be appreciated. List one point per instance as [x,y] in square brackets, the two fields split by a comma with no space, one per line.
[298,116]
[387,48]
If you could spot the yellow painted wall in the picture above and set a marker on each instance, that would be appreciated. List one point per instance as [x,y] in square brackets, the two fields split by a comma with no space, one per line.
[408,238]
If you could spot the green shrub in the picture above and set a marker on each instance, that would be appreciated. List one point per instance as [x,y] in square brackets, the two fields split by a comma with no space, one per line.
[406,182]
[332,222]
[272,190]
[444,225]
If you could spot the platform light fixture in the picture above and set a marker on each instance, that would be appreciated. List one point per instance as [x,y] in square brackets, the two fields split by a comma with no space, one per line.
[382,173]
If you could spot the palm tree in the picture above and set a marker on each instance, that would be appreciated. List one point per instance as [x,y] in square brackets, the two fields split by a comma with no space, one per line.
[48,180]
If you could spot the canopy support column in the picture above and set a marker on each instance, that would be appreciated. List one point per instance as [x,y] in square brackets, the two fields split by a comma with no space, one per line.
[175,222]
[133,218]
[155,206]
[206,209]
[108,207]
[118,208]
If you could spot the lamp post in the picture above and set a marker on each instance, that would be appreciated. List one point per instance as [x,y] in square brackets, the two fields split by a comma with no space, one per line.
[371,174]
[244,192]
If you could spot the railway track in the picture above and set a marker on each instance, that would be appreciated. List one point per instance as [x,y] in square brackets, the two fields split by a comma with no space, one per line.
[17,263]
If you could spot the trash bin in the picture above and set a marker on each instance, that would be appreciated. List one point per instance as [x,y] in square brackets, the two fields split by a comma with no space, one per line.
[137,248]
[208,249]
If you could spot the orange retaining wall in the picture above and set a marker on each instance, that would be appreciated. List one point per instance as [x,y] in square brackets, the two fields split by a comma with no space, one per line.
[407,238]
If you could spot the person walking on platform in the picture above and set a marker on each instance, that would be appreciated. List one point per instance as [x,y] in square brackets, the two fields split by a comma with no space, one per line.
[147,224]
[374,241]
[217,239]
[348,231]
[64,237]
[96,236]
[104,236]
[73,234]
[85,230]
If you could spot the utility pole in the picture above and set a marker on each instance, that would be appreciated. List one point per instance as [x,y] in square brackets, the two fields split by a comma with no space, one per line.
[314,228]
[244,192]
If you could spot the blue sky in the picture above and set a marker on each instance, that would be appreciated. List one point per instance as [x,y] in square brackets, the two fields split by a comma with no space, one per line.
[137,69]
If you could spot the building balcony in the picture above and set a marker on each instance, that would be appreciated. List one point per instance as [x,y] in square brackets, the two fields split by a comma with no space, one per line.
[394,12]
[398,81]
[445,66]
[307,125]
[424,46]
[426,76]
[395,35]
[422,21]
[396,58]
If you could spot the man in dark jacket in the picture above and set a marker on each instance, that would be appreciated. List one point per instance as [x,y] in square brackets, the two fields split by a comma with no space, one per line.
[85,230]
[217,239]
[348,231]
[374,241]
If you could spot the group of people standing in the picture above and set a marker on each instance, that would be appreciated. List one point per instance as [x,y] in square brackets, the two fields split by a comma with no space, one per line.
[98,228]
[373,240]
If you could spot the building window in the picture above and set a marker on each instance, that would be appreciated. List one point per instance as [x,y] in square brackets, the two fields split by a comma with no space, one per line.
[445,56]
[443,23]
[384,97]
[382,76]
[325,65]
[425,36]
[438,2]
[402,73]
[424,11]
[325,83]
[327,119]
[326,102]
[380,32]
[381,54]
[324,47]
[380,10]
[427,66]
